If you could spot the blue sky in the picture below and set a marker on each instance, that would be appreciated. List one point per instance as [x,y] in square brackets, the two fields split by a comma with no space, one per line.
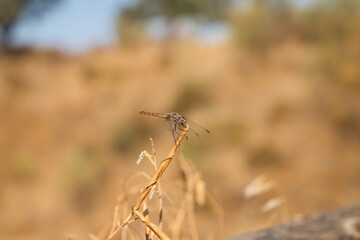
[76,26]
[73,25]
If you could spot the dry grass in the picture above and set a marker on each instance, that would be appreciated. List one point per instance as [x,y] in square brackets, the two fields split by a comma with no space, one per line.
[184,220]
[142,200]
[59,119]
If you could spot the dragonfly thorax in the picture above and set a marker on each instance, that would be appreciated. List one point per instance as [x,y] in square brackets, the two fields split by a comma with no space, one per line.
[177,118]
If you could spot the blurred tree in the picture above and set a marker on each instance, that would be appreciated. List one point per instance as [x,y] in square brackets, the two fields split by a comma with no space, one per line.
[12,11]
[333,28]
[263,25]
[170,11]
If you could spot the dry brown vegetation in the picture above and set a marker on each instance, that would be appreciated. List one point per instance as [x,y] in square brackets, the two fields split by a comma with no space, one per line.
[70,135]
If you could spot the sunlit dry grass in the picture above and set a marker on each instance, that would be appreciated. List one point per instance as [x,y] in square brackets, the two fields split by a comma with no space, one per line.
[195,192]
[65,122]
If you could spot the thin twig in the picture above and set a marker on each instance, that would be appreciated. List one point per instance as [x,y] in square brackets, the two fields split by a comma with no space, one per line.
[153,148]
[148,232]
[179,219]
[152,226]
[189,196]
[162,167]
[219,211]
[159,189]
[116,210]
[121,226]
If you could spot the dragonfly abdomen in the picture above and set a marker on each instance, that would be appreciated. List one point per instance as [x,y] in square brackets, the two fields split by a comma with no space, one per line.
[150,113]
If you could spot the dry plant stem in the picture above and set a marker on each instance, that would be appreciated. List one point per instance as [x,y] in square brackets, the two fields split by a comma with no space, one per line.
[104,231]
[160,195]
[159,191]
[122,226]
[219,211]
[116,211]
[148,232]
[176,226]
[191,219]
[153,148]
[152,226]
[163,165]
[135,210]
[189,197]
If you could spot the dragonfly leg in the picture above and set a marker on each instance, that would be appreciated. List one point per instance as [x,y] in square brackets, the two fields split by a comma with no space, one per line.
[176,126]
[175,133]
[174,138]
[181,128]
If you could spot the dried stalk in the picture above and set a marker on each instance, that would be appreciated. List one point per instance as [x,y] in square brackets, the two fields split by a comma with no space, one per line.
[163,165]
[115,219]
[188,202]
[152,226]
[148,232]
[135,209]
[218,209]
[159,190]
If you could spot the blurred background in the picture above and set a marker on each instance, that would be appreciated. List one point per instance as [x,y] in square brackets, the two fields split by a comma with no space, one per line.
[277,82]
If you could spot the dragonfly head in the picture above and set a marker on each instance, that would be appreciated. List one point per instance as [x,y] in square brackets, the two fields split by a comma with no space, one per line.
[182,119]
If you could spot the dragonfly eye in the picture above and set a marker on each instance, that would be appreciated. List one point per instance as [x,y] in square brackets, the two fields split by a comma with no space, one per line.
[182,119]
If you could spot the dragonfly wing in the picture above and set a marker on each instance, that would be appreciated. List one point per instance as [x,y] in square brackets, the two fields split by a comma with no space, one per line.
[196,131]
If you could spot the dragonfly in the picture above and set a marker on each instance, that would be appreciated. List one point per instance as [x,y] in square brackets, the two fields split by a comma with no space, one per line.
[178,123]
